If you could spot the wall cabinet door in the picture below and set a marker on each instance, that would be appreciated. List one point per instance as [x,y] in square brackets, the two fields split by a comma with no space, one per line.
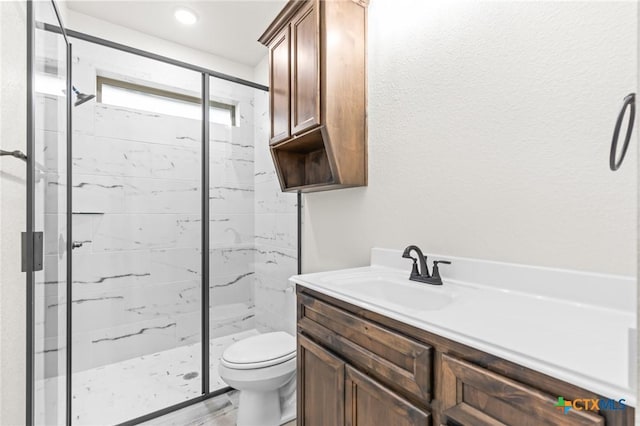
[320,386]
[305,72]
[279,79]
[474,396]
[368,403]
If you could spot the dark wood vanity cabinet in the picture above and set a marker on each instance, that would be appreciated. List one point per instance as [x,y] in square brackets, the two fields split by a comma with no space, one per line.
[317,79]
[356,367]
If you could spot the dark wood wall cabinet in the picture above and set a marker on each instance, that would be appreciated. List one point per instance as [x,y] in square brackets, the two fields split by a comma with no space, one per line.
[359,368]
[317,86]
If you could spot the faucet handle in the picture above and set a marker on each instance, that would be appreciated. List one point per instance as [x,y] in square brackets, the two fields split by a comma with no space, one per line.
[436,271]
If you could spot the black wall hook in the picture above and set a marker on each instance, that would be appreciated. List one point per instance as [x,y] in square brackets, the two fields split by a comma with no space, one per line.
[629,100]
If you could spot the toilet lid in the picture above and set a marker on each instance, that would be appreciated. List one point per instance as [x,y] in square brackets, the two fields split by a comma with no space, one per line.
[261,351]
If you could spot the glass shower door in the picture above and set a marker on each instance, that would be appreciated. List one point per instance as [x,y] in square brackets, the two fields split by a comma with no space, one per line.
[137,197]
[46,239]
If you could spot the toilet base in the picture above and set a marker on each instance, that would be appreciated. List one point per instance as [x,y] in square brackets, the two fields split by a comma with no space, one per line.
[287,417]
[288,401]
[259,408]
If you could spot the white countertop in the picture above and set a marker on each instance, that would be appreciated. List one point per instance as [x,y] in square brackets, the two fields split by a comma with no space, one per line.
[577,327]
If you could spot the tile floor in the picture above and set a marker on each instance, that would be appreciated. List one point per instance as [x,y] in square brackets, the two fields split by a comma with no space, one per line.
[219,411]
[128,389]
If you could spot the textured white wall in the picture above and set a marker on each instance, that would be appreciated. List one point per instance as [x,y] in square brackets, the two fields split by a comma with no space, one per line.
[489,131]
[13,80]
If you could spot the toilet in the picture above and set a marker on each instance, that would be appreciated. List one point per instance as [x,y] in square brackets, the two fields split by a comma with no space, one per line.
[263,369]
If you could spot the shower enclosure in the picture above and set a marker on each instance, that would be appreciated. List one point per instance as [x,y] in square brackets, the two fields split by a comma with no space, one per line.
[165,235]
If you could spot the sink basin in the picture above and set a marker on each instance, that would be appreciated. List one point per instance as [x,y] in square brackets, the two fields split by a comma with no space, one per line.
[405,294]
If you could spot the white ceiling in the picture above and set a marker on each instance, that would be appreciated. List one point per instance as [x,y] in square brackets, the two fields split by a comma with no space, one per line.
[227,28]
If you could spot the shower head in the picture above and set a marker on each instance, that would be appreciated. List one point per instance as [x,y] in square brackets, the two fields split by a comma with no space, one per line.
[81,97]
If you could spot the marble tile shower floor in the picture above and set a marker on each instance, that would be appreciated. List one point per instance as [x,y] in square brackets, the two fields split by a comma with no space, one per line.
[122,391]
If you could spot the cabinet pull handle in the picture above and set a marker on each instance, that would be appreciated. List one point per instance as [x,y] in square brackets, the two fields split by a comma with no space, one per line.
[629,100]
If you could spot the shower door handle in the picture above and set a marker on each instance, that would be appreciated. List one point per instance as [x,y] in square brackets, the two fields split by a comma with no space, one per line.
[629,101]
[32,251]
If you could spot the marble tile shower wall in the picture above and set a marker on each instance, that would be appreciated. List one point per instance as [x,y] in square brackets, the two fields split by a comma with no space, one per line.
[232,193]
[137,210]
[276,235]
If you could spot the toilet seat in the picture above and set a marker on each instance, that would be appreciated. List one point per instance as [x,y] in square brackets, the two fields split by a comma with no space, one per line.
[261,351]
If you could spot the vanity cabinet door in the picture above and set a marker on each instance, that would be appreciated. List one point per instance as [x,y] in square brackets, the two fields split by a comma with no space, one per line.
[403,364]
[320,386]
[473,396]
[279,82]
[305,72]
[368,403]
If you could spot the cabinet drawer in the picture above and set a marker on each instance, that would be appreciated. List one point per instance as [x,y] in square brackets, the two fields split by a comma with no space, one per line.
[474,396]
[398,362]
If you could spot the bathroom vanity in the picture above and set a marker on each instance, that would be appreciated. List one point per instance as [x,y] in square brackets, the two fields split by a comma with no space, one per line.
[376,349]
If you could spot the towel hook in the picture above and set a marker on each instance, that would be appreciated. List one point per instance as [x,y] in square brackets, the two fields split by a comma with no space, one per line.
[629,100]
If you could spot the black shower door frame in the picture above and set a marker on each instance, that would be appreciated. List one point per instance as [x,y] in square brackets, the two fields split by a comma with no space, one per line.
[31,170]
[28,237]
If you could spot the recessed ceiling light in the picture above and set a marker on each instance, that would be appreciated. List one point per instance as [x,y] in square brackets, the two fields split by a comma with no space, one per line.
[185,16]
